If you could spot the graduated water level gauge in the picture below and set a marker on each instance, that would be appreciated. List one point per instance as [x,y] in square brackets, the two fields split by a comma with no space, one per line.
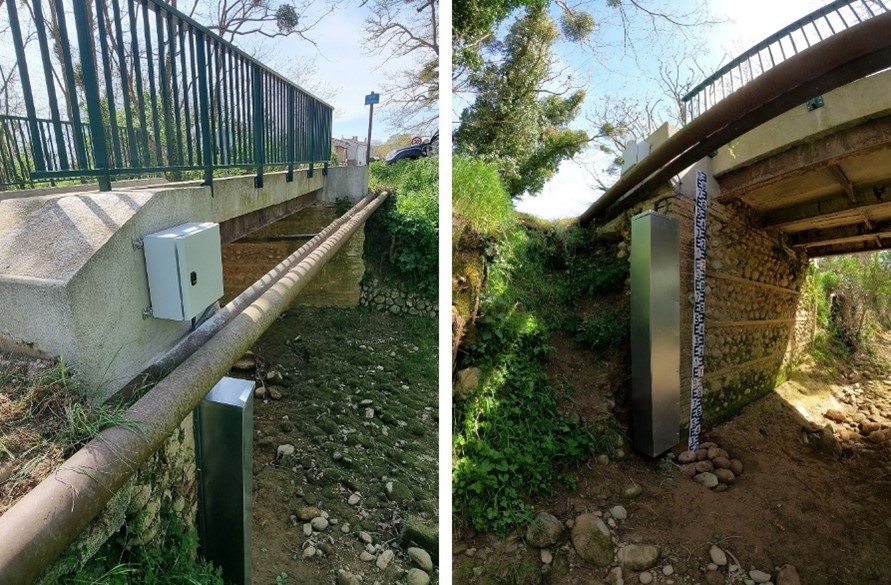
[185,270]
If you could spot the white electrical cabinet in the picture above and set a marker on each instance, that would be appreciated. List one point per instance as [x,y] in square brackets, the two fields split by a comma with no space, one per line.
[633,154]
[185,270]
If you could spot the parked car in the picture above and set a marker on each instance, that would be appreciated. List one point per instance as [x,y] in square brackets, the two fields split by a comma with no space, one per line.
[415,151]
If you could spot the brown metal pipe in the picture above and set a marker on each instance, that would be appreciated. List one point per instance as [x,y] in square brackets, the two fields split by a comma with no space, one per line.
[44,522]
[187,345]
[840,59]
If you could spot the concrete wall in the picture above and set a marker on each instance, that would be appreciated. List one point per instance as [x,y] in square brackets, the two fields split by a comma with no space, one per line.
[348,181]
[168,483]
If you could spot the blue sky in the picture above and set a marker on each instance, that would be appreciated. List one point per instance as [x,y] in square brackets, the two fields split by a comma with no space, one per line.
[617,73]
[344,72]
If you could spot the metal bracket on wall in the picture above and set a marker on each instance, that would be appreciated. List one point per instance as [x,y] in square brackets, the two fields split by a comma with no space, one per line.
[325,170]
[814,103]
[310,171]
[147,313]
[258,182]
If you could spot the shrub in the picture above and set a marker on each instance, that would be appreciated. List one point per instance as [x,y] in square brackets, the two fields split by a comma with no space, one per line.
[410,218]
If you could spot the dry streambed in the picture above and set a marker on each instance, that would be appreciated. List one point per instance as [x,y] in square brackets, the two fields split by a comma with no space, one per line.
[345,465]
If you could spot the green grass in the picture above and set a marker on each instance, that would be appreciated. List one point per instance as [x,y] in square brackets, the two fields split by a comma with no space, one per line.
[479,198]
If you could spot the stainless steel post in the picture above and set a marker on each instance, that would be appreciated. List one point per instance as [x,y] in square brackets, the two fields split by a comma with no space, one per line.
[224,450]
[655,333]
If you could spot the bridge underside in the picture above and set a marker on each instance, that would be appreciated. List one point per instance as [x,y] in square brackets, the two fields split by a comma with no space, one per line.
[829,193]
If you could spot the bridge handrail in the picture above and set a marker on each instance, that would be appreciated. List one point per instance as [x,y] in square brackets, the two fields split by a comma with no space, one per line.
[150,90]
[742,69]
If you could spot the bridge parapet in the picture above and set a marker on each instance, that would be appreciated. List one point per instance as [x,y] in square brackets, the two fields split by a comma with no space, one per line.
[72,283]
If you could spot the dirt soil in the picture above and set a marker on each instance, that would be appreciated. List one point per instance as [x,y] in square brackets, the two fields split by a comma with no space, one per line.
[814,497]
[352,439]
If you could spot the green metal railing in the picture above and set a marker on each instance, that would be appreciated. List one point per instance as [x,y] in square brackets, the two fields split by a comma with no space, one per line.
[824,22]
[148,90]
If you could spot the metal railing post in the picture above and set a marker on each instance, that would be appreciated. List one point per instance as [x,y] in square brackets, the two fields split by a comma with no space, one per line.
[16,31]
[91,88]
[292,155]
[204,108]
[259,125]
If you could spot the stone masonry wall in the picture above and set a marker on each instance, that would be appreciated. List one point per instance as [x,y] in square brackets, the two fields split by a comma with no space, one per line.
[167,482]
[381,297]
[337,283]
[752,290]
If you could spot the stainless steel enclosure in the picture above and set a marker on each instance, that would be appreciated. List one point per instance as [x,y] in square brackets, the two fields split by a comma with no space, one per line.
[655,333]
[224,450]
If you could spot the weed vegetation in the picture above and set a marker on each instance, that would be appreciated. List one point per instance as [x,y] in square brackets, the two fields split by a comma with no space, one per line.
[510,441]
[405,233]
[170,560]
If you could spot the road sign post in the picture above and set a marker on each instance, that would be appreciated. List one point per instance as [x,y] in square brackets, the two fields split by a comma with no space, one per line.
[370,100]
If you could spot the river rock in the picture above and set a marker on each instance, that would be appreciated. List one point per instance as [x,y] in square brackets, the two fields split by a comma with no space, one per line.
[274,376]
[421,558]
[466,383]
[592,541]
[646,578]
[835,415]
[788,575]
[347,578]
[721,463]
[385,558]
[759,576]
[705,466]
[736,467]
[418,577]
[366,556]
[632,491]
[619,512]
[543,531]
[309,552]
[284,450]
[307,513]
[354,499]
[725,476]
[319,524]
[687,457]
[718,556]
[639,557]
[707,479]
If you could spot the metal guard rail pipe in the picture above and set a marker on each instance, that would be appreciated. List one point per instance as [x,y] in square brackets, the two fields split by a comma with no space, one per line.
[838,60]
[44,522]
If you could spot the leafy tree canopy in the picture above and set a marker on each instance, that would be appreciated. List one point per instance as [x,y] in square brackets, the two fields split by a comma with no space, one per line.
[515,120]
